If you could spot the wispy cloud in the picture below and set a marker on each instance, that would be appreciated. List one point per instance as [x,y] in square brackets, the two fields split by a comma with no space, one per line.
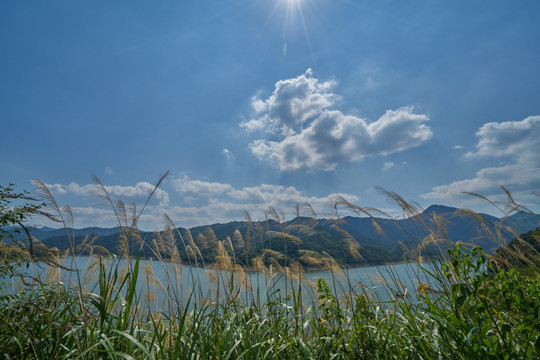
[300,132]
[387,165]
[228,154]
[517,145]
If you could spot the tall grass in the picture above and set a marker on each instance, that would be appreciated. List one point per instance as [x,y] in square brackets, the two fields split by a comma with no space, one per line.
[466,305]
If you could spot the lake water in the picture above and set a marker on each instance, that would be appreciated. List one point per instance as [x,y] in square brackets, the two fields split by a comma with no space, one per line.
[162,281]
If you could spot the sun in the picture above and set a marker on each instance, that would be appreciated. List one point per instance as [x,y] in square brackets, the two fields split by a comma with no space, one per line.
[295,2]
[293,9]
[295,17]
[292,17]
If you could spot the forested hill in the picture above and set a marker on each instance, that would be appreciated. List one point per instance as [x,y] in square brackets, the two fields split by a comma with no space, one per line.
[350,240]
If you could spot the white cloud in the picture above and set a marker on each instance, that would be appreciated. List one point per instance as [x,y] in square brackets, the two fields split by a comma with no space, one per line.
[519,139]
[517,143]
[222,202]
[109,171]
[488,181]
[303,133]
[197,189]
[333,138]
[84,190]
[293,102]
[387,165]
[215,202]
[268,195]
[228,154]
[56,189]
[88,210]
[255,124]
[141,189]
[264,195]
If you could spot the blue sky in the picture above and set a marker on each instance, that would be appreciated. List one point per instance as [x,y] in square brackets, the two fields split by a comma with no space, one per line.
[252,104]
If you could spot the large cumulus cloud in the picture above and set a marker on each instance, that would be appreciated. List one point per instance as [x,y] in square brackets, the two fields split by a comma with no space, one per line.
[300,131]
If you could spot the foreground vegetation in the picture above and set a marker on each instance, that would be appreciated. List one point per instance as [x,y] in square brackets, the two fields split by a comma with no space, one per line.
[471,307]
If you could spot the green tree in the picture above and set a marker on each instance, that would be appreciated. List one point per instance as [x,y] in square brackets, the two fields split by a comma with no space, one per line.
[16,210]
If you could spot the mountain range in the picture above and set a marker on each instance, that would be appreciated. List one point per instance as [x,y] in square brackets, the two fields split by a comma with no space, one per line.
[350,240]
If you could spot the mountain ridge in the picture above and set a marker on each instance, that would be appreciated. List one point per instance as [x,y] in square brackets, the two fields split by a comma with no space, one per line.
[376,239]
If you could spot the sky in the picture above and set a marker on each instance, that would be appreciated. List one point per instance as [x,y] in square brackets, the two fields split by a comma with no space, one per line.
[259,104]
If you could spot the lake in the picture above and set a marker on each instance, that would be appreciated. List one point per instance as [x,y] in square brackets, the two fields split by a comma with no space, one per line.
[161,281]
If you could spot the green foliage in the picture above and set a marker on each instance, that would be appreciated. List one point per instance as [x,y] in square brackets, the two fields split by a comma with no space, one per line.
[19,214]
[468,307]
[33,322]
[475,312]
[482,313]
[16,209]
[522,253]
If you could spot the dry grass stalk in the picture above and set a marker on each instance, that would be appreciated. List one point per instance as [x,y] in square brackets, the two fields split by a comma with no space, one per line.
[158,247]
[194,248]
[171,247]
[123,245]
[311,258]
[424,288]
[294,271]
[241,278]
[258,264]
[332,265]
[211,276]
[229,247]
[211,237]
[202,242]
[223,260]
[190,253]
[268,253]
[238,241]
[91,270]
[275,266]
